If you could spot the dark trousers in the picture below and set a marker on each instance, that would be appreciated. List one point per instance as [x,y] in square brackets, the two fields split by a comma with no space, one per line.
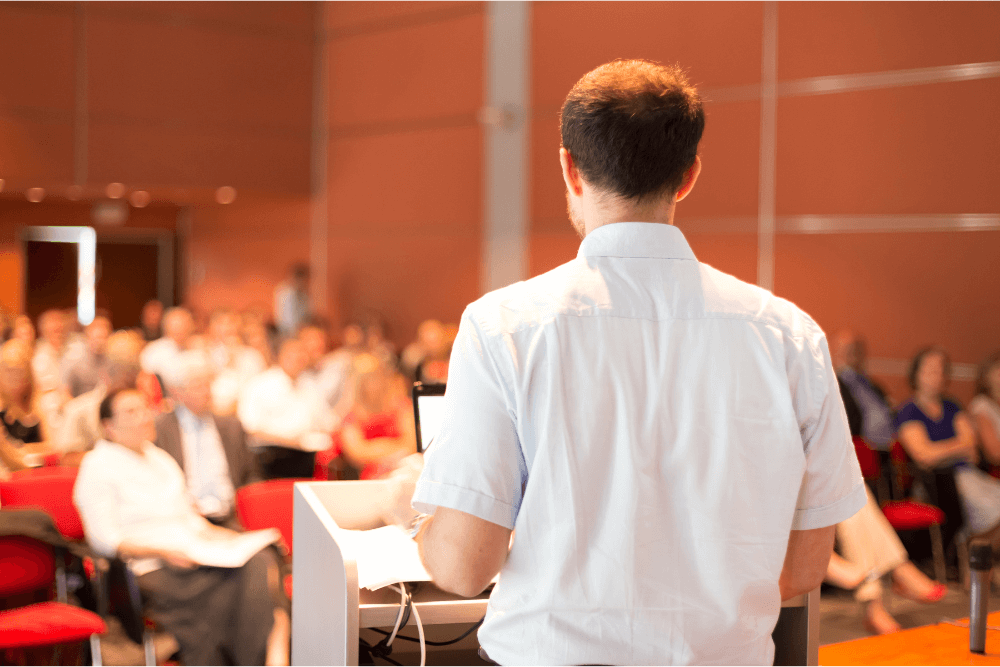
[219,616]
[275,462]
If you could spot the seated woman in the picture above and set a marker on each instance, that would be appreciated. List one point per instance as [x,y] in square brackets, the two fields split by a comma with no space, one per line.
[23,433]
[378,431]
[870,551]
[939,437]
[985,409]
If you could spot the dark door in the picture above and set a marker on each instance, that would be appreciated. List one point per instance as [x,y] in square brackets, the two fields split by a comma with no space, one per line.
[50,277]
[126,279]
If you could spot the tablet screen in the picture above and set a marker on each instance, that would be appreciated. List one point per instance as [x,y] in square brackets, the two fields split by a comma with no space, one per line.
[428,408]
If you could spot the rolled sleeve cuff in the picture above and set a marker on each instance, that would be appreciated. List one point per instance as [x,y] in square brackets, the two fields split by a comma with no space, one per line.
[829,515]
[431,495]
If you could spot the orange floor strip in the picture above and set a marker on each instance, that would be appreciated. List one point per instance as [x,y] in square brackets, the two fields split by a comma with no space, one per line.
[941,644]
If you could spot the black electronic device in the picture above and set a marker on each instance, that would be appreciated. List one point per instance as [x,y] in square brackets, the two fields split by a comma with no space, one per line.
[428,406]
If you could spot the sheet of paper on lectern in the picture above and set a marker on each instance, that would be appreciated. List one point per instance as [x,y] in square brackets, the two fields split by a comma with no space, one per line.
[383,556]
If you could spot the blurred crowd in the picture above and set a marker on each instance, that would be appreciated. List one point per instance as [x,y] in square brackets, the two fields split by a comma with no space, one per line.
[308,407]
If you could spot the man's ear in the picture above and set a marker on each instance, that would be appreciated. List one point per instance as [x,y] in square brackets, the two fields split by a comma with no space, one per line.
[690,176]
[571,175]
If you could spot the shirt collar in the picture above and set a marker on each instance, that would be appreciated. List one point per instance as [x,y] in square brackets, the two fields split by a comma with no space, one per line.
[187,418]
[636,239]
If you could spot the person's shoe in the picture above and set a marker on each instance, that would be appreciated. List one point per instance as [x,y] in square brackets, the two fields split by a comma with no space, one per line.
[937,592]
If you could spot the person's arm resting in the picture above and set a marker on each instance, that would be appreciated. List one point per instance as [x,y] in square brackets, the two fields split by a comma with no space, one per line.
[927,454]
[806,559]
[462,552]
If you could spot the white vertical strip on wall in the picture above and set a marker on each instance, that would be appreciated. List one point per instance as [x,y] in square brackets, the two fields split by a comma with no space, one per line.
[768,147]
[319,229]
[81,120]
[505,127]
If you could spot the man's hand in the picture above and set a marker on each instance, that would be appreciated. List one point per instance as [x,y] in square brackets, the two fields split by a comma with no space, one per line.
[402,483]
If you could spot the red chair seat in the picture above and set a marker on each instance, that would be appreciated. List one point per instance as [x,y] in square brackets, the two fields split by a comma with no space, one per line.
[48,489]
[47,623]
[912,515]
[25,565]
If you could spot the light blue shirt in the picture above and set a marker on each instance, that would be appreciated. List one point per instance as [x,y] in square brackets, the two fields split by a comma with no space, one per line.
[205,464]
[652,429]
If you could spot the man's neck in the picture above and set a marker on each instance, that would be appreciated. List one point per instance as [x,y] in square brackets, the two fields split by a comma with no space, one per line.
[134,447]
[610,211]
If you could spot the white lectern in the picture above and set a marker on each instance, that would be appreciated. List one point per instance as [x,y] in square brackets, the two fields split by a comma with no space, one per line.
[328,610]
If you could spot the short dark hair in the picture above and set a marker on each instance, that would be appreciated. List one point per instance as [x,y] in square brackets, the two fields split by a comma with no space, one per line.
[633,127]
[106,411]
[918,360]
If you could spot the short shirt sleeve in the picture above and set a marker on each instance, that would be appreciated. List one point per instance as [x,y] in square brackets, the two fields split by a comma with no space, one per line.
[832,487]
[908,413]
[475,463]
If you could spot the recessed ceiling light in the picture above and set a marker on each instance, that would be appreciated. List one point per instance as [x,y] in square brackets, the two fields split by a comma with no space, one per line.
[225,195]
[139,198]
[35,194]
[115,190]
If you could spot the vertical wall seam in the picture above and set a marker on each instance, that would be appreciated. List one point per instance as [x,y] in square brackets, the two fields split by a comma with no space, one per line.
[319,229]
[768,147]
[81,120]
[505,122]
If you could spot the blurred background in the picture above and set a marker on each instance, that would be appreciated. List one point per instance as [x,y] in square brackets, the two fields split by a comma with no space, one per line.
[408,153]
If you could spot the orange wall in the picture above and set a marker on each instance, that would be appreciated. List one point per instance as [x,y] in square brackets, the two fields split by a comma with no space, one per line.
[179,95]
[405,160]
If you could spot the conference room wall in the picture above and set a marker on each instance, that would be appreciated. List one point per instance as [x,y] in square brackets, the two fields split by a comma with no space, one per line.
[405,165]
[884,160]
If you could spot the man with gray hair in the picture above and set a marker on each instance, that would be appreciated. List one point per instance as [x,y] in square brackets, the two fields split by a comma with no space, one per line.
[210,449]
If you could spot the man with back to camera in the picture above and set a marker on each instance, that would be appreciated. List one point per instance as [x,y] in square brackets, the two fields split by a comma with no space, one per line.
[668,442]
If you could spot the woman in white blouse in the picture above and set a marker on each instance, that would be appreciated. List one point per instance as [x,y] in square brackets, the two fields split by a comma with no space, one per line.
[985,407]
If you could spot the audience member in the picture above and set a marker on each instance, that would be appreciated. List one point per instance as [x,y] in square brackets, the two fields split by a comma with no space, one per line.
[235,363]
[128,493]
[23,329]
[870,398]
[939,437]
[161,354]
[24,433]
[81,424]
[49,350]
[378,431]
[985,408]
[211,450]
[150,320]
[83,370]
[286,423]
[871,549]
[327,372]
[255,336]
[291,301]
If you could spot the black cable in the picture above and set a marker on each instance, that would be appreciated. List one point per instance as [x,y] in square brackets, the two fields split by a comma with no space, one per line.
[427,641]
[366,649]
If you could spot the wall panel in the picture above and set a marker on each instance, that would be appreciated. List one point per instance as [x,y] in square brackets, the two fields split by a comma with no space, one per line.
[825,38]
[918,149]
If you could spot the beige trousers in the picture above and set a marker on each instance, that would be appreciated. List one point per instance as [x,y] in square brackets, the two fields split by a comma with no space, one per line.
[868,541]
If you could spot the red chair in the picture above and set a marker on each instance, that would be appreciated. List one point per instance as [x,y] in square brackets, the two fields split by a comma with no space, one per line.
[269,505]
[47,489]
[871,469]
[911,514]
[28,565]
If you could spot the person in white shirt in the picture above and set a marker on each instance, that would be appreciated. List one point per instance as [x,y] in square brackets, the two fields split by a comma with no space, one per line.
[46,365]
[235,363]
[129,493]
[285,421]
[160,356]
[327,372]
[667,444]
